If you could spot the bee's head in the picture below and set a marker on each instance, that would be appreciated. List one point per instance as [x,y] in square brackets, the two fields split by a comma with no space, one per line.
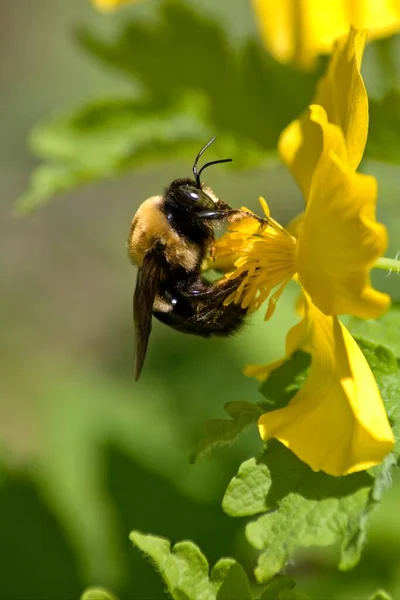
[191,193]
[188,196]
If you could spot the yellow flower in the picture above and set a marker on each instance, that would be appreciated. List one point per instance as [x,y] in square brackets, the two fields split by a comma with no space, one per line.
[339,239]
[109,5]
[336,422]
[299,30]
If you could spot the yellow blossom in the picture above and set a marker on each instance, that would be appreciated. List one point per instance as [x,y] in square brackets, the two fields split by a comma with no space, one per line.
[110,5]
[299,30]
[342,95]
[336,422]
[339,239]
[266,253]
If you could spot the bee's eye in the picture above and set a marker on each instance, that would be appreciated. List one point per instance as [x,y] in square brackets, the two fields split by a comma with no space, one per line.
[193,195]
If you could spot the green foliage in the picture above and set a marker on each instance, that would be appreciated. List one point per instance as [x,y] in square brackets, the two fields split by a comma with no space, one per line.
[98,594]
[301,508]
[384,331]
[281,588]
[187,96]
[383,136]
[386,370]
[380,595]
[246,493]
[220,432]
[104,140]
[285,381]
[186,573]
[277,390]
[242,92]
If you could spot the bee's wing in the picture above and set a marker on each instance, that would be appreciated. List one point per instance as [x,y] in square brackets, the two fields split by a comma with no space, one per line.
[143,299]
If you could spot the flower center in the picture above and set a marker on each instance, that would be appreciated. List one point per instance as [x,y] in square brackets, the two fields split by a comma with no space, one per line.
[265,263]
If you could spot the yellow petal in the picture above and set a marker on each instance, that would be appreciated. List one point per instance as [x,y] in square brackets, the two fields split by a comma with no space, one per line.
[381,17]
[300,146]
[339,239]
[302,143]
[261,372]
[337,422]
[342,96]
[299,30]
[110,5]
[295,224]
[341,92]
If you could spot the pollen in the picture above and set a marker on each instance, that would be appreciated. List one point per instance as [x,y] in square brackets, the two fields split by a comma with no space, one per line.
[264,261]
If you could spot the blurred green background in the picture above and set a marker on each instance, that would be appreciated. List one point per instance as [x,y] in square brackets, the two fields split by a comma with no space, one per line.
[86,454]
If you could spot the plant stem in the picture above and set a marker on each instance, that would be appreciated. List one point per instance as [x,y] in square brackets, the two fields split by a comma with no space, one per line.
[389,264]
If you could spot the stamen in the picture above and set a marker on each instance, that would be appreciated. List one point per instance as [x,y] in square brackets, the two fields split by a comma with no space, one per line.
[266,258]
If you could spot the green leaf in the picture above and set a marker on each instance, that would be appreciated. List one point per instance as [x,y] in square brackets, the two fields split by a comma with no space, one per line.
[220,432]
[281,588]
[301,508]
[95,593]
[276,586]
[384,126]
[247,492]
[81,417]
[104,140]
[380,595]
[384,331]
[48,180]
[386,370]
[247,94]
[187,95]
[186,571]
[277,390]
[285,381]
[292,595]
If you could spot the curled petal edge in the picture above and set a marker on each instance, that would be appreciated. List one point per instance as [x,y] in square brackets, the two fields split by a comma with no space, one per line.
[337,422]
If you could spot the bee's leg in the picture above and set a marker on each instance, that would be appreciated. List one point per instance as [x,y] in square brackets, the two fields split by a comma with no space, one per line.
[199,309]
[212,250]
[229,215]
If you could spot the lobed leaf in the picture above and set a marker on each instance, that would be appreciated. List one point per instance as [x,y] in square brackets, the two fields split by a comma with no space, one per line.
[104,140]
[275,587]
[285,381]
[277,390]
[299,507]
[185,570]
[380,595]
[247,93]
[97,593]
[384,331]
[187,96]
[386,370]
[221,432]
[383,137]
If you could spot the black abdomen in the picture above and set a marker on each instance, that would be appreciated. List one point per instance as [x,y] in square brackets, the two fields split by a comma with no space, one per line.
[199,309]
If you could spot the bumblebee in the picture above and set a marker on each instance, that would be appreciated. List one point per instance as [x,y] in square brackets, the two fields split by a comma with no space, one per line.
[170,235]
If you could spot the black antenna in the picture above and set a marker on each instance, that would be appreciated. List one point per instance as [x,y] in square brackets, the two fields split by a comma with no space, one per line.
[214,162]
